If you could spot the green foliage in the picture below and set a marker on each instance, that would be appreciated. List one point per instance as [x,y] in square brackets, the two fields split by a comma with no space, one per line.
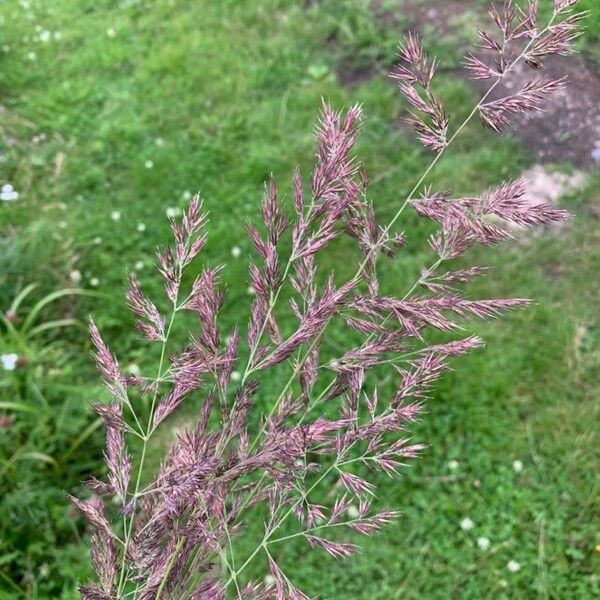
[217,95]
[48,441]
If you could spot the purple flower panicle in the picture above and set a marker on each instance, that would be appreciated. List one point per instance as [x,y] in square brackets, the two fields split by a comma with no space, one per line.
[171,534]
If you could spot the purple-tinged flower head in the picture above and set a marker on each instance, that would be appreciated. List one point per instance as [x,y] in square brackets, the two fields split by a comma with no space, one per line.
[414,75]
[415,68]
[94,592]
[116,457]
[495,114]
[562,5]
[153,329]
[206,299]
[558,40]
[108,366]
[210,589]
[94,513]
[105,562]
[335,549]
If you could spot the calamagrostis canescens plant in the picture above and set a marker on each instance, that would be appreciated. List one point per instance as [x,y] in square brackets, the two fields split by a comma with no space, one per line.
[175,534]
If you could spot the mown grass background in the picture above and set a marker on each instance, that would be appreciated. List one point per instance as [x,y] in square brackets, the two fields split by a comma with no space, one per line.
[218,95]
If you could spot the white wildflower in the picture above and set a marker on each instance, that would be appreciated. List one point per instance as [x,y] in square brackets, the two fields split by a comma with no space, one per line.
[9,361]
[141,227]
[8,194]
[148,164]
[453,465]
[172,212]
[160,142]
[236,376]
[31,55]
[353,512]
[236,252]
[269,581]
[97,240]
[517,466]
[251,291]
[187,195]
[115,215]
[139,265]
[110,32]
[45,36]
[467,524]
[513,566]
[134,369]
[75,276]
[483,543]
[94,282]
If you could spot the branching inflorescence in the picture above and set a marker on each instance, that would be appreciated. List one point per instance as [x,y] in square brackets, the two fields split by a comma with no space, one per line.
[175,535]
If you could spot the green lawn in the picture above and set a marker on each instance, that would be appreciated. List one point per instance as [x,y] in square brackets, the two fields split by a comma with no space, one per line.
[127,108]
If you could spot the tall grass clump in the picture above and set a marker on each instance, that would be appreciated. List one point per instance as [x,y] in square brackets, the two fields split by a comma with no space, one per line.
[175,534]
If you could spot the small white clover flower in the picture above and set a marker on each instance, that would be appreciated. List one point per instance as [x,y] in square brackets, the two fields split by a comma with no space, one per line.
[45,36]
[115,215]
[75,276]
[251,291]
[172,212]
[9,361]
[94,282]
[353,512]
[97,240]
[236,376]
[139,265]
[62,224]
[148,164]
[517,466]
[6,48]
[8,194]
[483,543]
[160,142]
[513,566]
[236,252]
[467,524]
[111,33]
[453,465]
[187,195]
[269,581]
[141,227]
[31,55]
[134,369]
[57,35]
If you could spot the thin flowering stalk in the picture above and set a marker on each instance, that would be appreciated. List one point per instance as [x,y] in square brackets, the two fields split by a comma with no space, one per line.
[422,179]
[186,520]
[439,155]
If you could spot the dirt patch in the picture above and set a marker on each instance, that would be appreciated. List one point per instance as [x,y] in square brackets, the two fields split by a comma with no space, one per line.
[351,75]
[545,185]
[419,16]
[568,130]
